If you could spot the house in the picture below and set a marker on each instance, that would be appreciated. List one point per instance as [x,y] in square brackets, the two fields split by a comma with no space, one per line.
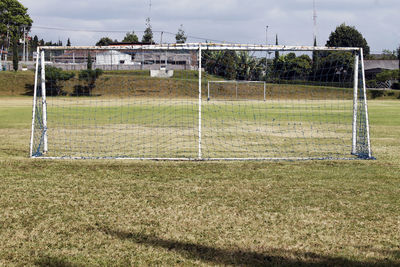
[74,56]
[373,67]
[127,59]
[114,57]
[3,54]
[160,59]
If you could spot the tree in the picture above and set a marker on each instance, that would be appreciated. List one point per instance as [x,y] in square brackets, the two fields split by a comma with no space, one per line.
[221,63]
[54,78]
[387,75]
[291,67]
[88,76]
[276,43]
[276,58]
[35,42]
[209,60]
[68,42]
[130,37]
[387,54]
[315,59]
[180,37]
[15,53]
[89,62]
[336,67]
[14,20]
[13,17]
[104,41]
[347,36]
[398,57]
[299,68]
[228,65]
[248,68]
[148,33]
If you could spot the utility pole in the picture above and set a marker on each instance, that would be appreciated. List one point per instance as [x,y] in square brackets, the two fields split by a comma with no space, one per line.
[266,53]
[315,21]
[23,52]
[8,40]
[1,57]
[150,5]
[27,47]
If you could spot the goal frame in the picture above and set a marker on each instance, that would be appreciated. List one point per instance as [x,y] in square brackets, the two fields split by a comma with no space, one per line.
[199,47]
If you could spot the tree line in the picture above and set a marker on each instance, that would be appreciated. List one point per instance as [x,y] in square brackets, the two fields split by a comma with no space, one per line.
[15,22]
[56,77]
[147,38]
[333,67]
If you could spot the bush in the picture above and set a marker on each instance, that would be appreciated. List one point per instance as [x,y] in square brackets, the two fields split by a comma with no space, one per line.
[15,54]
[89,77]
[372,84]
[396,86]
[54,77]
[377,93]
[387,75]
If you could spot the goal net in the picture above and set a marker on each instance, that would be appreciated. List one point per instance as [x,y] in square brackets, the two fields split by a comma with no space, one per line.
[239,90]
[200,102]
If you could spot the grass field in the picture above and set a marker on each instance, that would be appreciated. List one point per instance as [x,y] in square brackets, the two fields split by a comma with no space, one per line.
[121,213]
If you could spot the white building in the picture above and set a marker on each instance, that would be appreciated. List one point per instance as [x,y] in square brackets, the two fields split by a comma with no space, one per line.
[113,57]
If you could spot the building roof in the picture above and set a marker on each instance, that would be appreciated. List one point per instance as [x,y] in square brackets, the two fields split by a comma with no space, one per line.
[381,64]
[111,52]
[126,43]
[79,53]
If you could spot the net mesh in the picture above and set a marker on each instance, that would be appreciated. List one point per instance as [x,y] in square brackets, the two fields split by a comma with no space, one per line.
[143,103]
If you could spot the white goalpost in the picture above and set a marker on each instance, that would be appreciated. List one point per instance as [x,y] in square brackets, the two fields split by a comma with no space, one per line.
[200,102]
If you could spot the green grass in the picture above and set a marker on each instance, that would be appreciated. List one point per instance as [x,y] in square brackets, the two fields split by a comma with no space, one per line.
[21,83]
[144,109]
[181,84]
[90,213]
[15,83]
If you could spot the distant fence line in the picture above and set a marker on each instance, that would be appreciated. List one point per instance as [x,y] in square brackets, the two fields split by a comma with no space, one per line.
[30,65]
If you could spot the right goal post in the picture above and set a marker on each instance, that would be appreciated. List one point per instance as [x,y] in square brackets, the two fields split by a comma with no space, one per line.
[200,102]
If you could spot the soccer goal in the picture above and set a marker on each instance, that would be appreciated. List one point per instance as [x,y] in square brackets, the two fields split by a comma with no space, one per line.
[200,102]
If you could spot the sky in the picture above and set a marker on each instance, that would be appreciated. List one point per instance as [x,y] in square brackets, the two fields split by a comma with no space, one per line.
[235,21]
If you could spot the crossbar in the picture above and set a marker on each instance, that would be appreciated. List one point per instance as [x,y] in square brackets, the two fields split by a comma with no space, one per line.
[204,46]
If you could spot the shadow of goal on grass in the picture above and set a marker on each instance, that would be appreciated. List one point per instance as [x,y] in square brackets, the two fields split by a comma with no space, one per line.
[51,261]
[239,257]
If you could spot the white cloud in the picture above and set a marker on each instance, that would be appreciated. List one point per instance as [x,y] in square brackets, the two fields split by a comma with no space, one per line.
[229,20]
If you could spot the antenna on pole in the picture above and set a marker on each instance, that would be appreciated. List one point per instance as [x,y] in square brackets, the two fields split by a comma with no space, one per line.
[150,5]
[315,22]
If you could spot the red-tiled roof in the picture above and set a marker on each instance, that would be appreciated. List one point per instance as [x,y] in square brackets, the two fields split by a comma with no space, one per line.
[133,43]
